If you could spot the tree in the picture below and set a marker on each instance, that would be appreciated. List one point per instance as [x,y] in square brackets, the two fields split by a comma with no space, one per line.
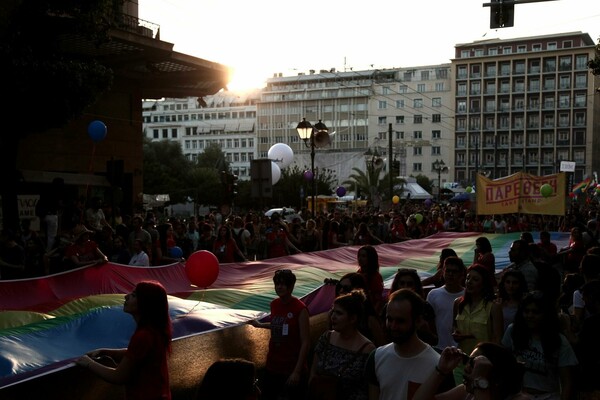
[594,64]
[287,192]
[424,182]
[213,157]
[166,170]
[370,184]
[35,66]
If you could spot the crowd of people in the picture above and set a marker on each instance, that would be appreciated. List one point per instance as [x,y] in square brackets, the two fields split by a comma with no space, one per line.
[468,331]
[97,233]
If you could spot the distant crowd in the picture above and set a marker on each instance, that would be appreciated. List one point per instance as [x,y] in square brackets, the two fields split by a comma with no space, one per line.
[94,233]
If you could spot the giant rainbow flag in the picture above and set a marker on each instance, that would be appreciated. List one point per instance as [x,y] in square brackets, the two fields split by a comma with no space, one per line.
[45,323]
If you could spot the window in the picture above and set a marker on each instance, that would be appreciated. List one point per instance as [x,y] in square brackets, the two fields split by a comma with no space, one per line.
[417,167]
[507,50]
[165,133]
[439,87]
[580,119]
[461,106]
[461,72]
[465,53]
[563,119]
[403,89]
[580,99]
[475,71]
[408,76]
[549,83]
[461,89]
[521,48]
[418,103]
[436,150]
[399,119]
[441,73]
[551,46]
[490,70]
[385,90]
[534,84]
[519,67]
[399,135]
[417,135]
[581,61]
[420,87]
[382,104]
[580,81]
[565,63]
[519,85]
[418,119]
[564,82]
[381,120]
[549,64]
[564,101]
[174,133]
[536,47]
[399,103]
[436,134]
[155,133]
[436,118]
[493,51]
[436,102]
[475,87]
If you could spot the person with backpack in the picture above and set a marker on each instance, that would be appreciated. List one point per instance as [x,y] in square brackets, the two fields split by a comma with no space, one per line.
[242,238]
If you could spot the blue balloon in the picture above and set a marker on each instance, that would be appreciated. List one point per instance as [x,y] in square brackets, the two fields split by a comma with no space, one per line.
[97,131]
[176,252]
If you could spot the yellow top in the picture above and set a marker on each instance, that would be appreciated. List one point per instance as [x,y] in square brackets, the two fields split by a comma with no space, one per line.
[477,322]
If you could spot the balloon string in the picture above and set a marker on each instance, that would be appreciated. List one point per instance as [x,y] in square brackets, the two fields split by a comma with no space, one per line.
[87,184]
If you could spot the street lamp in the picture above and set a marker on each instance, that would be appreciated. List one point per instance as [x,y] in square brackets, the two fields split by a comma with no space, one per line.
[440,166]
[313,136]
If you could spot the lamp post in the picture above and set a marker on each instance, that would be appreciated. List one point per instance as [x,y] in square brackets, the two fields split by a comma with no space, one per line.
[439,166]
[313,136]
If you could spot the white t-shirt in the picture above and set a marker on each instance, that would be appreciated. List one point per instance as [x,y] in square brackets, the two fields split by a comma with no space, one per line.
[442,302]
[400,377]
[540,373]
[141,259]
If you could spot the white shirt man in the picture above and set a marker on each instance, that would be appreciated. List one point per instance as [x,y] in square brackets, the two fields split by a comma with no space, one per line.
[395,371]
[442,300]
[139,258]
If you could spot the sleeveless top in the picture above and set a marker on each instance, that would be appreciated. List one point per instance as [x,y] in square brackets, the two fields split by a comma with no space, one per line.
[476,322]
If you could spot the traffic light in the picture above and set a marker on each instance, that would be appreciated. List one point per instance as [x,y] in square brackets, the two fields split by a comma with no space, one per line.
[502,14]
[233,185]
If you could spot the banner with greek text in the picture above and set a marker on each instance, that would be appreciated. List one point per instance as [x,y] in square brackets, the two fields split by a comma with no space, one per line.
[520,193]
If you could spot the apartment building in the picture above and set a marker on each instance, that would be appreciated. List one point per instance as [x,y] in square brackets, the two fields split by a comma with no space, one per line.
[227,119]
[525,104]
[359,106]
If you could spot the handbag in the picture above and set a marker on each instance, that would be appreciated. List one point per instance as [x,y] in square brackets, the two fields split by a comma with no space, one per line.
[324,386]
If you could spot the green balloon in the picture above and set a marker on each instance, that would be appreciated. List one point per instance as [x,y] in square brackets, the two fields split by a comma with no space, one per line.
[468,189]
[419,218]
[546,190]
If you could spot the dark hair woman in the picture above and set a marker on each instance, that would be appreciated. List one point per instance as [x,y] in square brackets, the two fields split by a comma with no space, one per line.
[437,279]
[340,354]
[535,339]
[142,367]
[368,266]
[511,290]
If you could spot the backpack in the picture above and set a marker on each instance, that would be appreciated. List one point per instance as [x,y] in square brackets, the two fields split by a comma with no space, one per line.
[240,244]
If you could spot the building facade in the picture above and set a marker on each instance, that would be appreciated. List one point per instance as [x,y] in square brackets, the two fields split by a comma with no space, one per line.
[362,108]
[225,119]
[525,104]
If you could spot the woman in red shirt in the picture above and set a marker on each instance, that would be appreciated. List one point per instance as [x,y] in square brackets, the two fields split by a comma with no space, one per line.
[142,367]
[225,247]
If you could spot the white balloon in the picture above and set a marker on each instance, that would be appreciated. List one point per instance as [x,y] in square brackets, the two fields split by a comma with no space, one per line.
[275,173]
[282,154]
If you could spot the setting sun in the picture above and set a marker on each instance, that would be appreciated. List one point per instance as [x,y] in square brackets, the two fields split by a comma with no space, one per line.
[244,79]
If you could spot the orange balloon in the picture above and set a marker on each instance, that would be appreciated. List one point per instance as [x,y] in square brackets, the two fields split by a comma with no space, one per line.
[202,268]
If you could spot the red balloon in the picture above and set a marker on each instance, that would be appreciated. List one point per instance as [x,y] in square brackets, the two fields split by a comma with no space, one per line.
[202,268]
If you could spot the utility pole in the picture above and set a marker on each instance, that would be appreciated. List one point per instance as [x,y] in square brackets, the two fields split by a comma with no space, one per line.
[390,160]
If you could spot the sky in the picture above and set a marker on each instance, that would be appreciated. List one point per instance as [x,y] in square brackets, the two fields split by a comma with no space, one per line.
[257,39]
